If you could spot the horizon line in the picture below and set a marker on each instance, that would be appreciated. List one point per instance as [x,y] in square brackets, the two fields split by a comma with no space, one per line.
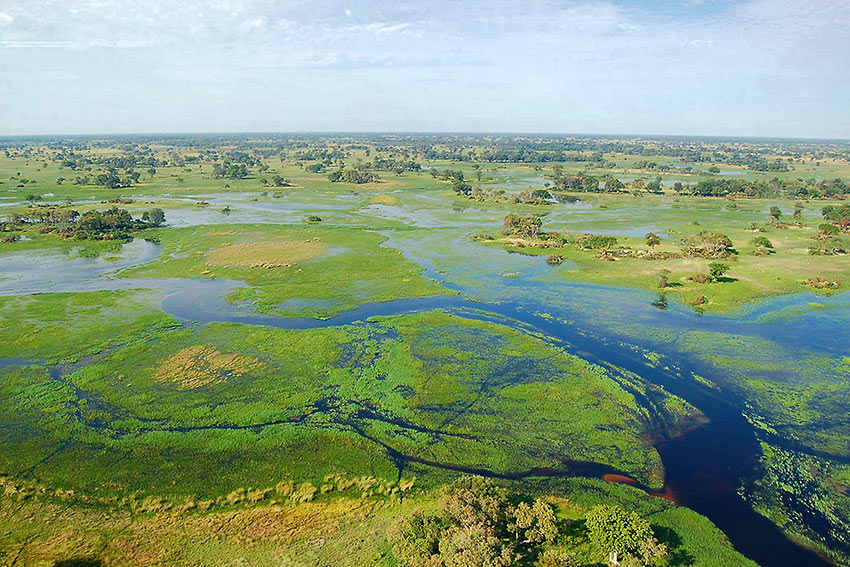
[174,134]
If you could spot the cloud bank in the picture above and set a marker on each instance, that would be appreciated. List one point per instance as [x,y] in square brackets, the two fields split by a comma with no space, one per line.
[758,67]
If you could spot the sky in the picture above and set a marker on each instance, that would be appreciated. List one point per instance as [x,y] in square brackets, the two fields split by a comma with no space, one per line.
[778,68]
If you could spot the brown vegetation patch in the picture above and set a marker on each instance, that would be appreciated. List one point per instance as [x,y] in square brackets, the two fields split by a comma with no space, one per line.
[383,200]
[201,365]
[274,254]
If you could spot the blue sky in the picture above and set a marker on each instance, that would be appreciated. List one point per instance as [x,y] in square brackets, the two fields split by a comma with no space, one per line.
[701,67]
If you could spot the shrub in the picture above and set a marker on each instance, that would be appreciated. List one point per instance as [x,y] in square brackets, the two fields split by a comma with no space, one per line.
[709,244]
[596,241]
[761,242]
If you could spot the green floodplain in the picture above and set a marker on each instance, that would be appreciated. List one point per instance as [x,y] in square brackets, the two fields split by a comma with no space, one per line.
[424,350]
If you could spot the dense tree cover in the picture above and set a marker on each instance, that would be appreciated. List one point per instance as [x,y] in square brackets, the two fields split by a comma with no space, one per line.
[839,215]
[624,536]
[111,224]
[527,227]
[352,176]
[478,525]
[707,244]
[137,152]
[721,187]
[230,170]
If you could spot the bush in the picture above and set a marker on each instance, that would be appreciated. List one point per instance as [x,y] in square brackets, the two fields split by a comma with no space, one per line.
[596,241]
[709,244]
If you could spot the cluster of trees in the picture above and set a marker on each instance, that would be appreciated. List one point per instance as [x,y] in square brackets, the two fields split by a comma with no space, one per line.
[396,165]
[721,187]
[584,183]
[111,224]
[708,244]
[230,170]
[839,215]
[596,241]
[828,241]
[480,524]
[525,227]
[534,197]
[459,183]
[352,176]
[276,181]
[803,188]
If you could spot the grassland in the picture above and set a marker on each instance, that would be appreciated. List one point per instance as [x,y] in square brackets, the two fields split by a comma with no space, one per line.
[337,268]
[784,270]
[429,390]
[339,531]
[130,438]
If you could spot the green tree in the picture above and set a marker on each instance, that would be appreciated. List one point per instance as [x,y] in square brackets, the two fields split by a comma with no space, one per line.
[474,545]
[154,217]
[652,240]
[761,242]
[774,213]
[716,271]
[518,225]
[533,524]
[619,532]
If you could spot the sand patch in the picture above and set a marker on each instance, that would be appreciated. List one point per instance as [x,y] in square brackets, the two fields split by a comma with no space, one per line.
[272,254]
[202,365]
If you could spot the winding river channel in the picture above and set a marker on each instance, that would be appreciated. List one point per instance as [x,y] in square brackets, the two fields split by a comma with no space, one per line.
[704,468]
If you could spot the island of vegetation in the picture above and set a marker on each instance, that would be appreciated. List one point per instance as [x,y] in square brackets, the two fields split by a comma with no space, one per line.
[424,350]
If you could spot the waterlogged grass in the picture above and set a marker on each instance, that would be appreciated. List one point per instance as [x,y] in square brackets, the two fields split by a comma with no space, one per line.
[750,277]
[814,489]
[798,392]
[341,268]
[691,539]
[198,412]
[33,240]
[63,327]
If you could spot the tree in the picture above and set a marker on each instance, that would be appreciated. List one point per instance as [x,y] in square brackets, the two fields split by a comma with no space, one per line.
[708,244]
[663,278]
[827,229]
[716,271]
[619,532]
[474,545]
[154,217]
[420,539]
[533,524]
[478,526]
[774,213]
[518,225]
[652,240]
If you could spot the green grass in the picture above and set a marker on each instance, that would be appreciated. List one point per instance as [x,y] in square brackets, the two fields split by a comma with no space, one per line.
[353,269]
[433,386]
[64,327]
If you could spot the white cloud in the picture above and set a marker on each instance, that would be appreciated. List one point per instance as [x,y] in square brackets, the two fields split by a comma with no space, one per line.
[596,55]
